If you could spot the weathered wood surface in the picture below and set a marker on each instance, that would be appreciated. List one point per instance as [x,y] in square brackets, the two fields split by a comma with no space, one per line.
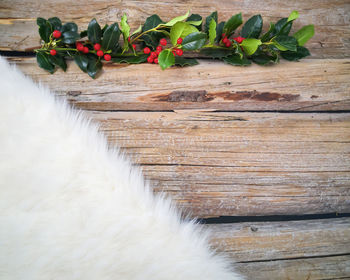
[309,85]
[239,164]
[310,249]
[331,18]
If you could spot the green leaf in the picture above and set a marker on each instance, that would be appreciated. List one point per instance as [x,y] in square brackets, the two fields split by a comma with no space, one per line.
[94,32]
[59,61]
[232,24]
[216,53]
[69,37]
[263,59]
[125,28]
[295,56]
[236,60]
[55,23]
[212,31]
[70,26]
[250,45]
[219,31]
[82,61]
[138,30]
[83,34]
[252,28]
[166,59]
[284,43]
[45,30]
[238,49]
[282,27]
[267,36]
[194,41]
[293,16]
[94,66]
[181,61]
[177,19]
[213,15]
[44,62]
[111,37]
[304,34]
[152,39]
[181,29]
[134,59]
[196,20]
[40,21]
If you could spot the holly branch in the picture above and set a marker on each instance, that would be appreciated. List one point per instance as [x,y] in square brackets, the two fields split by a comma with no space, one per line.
[165,43]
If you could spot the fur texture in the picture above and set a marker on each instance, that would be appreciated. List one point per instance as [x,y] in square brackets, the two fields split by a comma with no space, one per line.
[71,208]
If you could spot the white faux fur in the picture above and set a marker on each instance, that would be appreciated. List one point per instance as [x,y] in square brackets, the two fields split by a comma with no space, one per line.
[71,208]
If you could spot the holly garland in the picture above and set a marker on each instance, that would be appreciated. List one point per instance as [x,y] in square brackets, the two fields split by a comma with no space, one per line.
[164,43]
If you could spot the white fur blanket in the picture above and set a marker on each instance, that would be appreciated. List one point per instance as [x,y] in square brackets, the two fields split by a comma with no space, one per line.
[71,208]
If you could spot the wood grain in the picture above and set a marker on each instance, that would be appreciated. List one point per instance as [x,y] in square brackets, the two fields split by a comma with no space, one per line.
[19,31]
[309,85]
[310,249]
[240,164]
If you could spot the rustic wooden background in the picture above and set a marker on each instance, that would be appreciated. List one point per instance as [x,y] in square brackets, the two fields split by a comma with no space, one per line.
[223,140]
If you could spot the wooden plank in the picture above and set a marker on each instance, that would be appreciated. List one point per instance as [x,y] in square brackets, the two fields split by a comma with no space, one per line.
[310,85]
[19,31]
[310,249]
[240,164]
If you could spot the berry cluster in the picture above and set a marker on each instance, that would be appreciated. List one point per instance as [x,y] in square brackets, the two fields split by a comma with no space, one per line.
[228,43]
[153,58]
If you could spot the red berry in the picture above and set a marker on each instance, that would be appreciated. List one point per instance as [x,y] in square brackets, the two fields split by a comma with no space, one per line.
[107,57]
[97,46]
[128,39]
[150,59]
[146,50]
[158,52]
[228,43]
[174,53]
[159,48]
[179,41]
[99,53]
[134,46]
[56,33]
[155,60]
[179,52]
[154,54]
[225,40]
[239,39]
[163,42]
[85,50]
[80,47]
[53,52]
[223,35]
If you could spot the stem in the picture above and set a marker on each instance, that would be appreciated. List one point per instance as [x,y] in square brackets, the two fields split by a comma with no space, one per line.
[147,31]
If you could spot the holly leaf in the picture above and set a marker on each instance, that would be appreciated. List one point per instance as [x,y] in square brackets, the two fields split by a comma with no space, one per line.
[55,22]
[151,39]
[282,27]
[94,32]
[267,36]
[194,41]
[181,61]
[181,29]
[196,20]
[111,37]
[82,61]
[44,62]
[45,29]
[232,24]
[134,59]
[219,31]
[263,59]
[177,19]
[125,30]
[304,34]
[236,60]
[94,66]
[138,30]
[284,43]
[69,37]
[293,16]
[212,31]
[59,61]
[166,59]
[252,28]
[295,56]
[216,53]
[250,45]
[213,15]
[70,26]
